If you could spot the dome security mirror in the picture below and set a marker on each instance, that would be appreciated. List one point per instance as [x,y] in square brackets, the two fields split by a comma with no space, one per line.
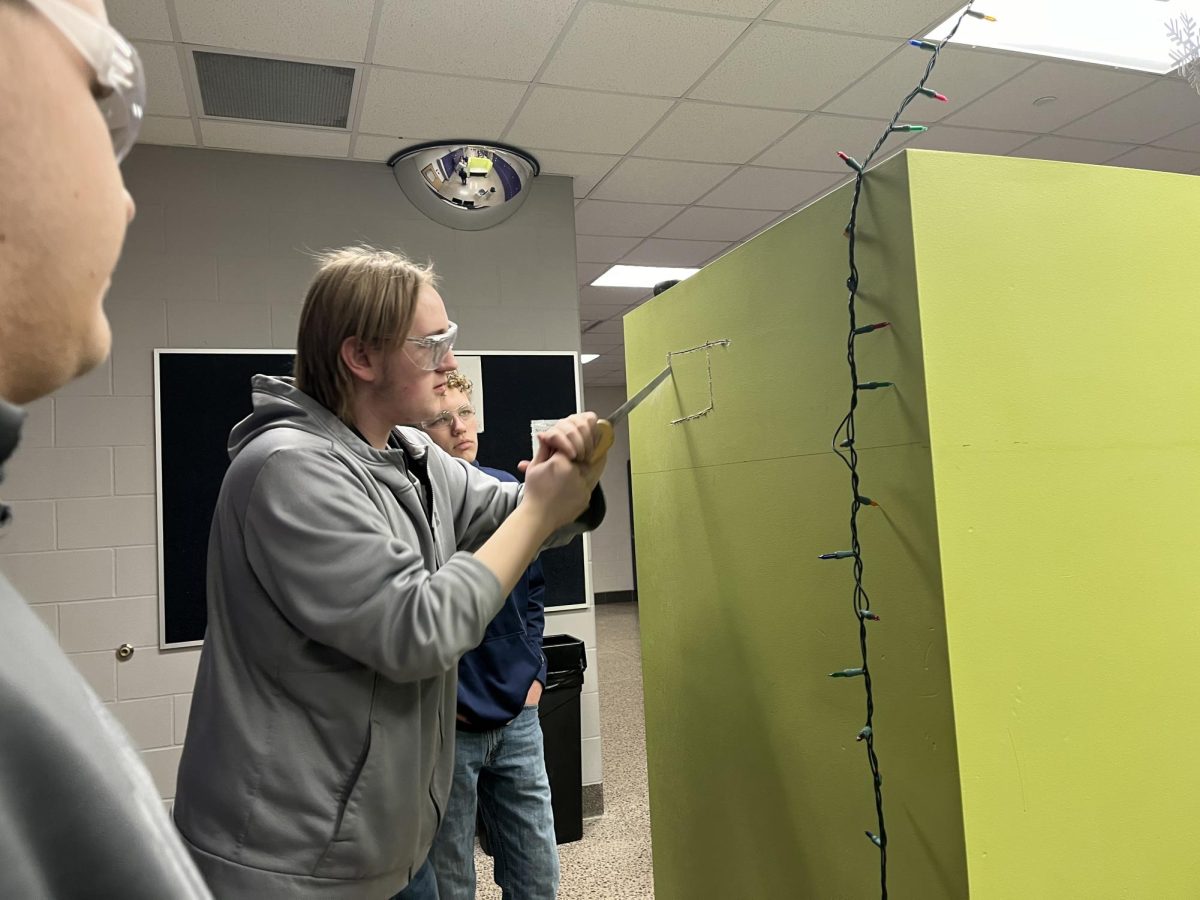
[466,185]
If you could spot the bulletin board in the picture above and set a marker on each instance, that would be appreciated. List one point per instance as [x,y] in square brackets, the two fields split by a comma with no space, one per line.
[201,394]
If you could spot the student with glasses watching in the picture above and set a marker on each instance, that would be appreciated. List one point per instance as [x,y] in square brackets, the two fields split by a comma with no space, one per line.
[79,815]
[500,766]
[351,563]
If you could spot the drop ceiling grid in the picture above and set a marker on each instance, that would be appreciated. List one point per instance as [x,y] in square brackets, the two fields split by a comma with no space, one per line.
[616,134]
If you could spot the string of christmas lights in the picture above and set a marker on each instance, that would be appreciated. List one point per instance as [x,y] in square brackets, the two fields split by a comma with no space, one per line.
[844,438]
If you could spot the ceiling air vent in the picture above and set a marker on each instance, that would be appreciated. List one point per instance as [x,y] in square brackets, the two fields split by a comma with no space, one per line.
[274,90]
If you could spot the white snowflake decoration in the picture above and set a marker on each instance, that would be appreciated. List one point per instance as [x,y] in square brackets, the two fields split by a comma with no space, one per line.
[1183,33]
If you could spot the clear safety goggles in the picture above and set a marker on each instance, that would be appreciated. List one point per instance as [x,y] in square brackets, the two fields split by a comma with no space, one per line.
[118,68]
[446,418]
[430,351]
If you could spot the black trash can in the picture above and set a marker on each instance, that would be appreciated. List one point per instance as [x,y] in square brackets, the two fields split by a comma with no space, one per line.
[559,716]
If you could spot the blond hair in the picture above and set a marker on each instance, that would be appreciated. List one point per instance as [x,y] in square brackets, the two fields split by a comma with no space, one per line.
[457,381]
[359,292]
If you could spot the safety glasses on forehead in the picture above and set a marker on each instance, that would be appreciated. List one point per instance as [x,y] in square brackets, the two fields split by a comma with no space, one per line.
[430,351]
[118,68]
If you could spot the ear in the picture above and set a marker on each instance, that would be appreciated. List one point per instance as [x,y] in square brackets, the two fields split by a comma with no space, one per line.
[364,363]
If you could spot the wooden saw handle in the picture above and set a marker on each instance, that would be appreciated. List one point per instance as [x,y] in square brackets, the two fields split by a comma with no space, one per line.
[605,442]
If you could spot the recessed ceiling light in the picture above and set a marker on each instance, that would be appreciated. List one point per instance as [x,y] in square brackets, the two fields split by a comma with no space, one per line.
[586,358]
[640,276]
[1128,35]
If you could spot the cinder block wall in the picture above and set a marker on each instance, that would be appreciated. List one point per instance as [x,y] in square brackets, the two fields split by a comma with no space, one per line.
[219,257]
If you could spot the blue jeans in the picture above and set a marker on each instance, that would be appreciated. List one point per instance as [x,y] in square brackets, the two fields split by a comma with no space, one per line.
[501,773]
[422,887]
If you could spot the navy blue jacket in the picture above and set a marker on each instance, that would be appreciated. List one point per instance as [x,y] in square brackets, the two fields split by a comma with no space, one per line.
[494,678]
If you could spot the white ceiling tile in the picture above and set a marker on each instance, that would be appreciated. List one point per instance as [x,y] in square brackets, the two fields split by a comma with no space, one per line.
[665,252]
[627,219]
[161,130]
[1188,139]
[603,380]
[412,103]
[746,9]
[141,20]
[1070,150]
[591,248]
[778,189]
[490,39]
[165,93]
[1079,89]
[911,18]
[316,29]
[585,168]
[613,326]
[962,75]
[1154,112]
[603,33]
[705,224]
[711,132]
[602,302]
[968,140]
[273,139]
[563,119]
[1158,159]
[379,148]
[789,68]
[586,273]
[660,181]
[816,142]
[600,342]
[607,329]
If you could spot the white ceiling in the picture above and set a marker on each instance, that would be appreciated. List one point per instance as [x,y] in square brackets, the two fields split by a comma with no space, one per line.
[687,125]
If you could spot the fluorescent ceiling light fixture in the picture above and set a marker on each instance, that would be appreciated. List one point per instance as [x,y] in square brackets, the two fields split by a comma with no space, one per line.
[640,276]
[1131,34]
[586,358]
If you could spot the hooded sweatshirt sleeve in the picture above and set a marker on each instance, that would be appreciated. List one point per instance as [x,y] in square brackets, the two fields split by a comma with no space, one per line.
[481,503]
[328,559]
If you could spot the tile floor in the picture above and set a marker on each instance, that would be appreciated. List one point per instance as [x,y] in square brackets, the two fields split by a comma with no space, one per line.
[613,860]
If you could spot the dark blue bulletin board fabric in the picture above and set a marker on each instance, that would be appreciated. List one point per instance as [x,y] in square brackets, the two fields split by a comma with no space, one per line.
[201,395]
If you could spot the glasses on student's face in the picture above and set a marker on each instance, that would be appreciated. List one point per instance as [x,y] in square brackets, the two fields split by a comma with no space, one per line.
[121,81]
[430,351]
[446,418]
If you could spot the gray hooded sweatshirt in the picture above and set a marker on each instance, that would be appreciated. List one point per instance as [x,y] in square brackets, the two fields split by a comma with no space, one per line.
[79,816]
[341,593]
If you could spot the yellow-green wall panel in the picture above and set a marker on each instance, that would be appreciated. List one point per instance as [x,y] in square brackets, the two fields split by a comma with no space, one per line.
[1059,324]
[781,298]
[758,788]
[1035,564]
